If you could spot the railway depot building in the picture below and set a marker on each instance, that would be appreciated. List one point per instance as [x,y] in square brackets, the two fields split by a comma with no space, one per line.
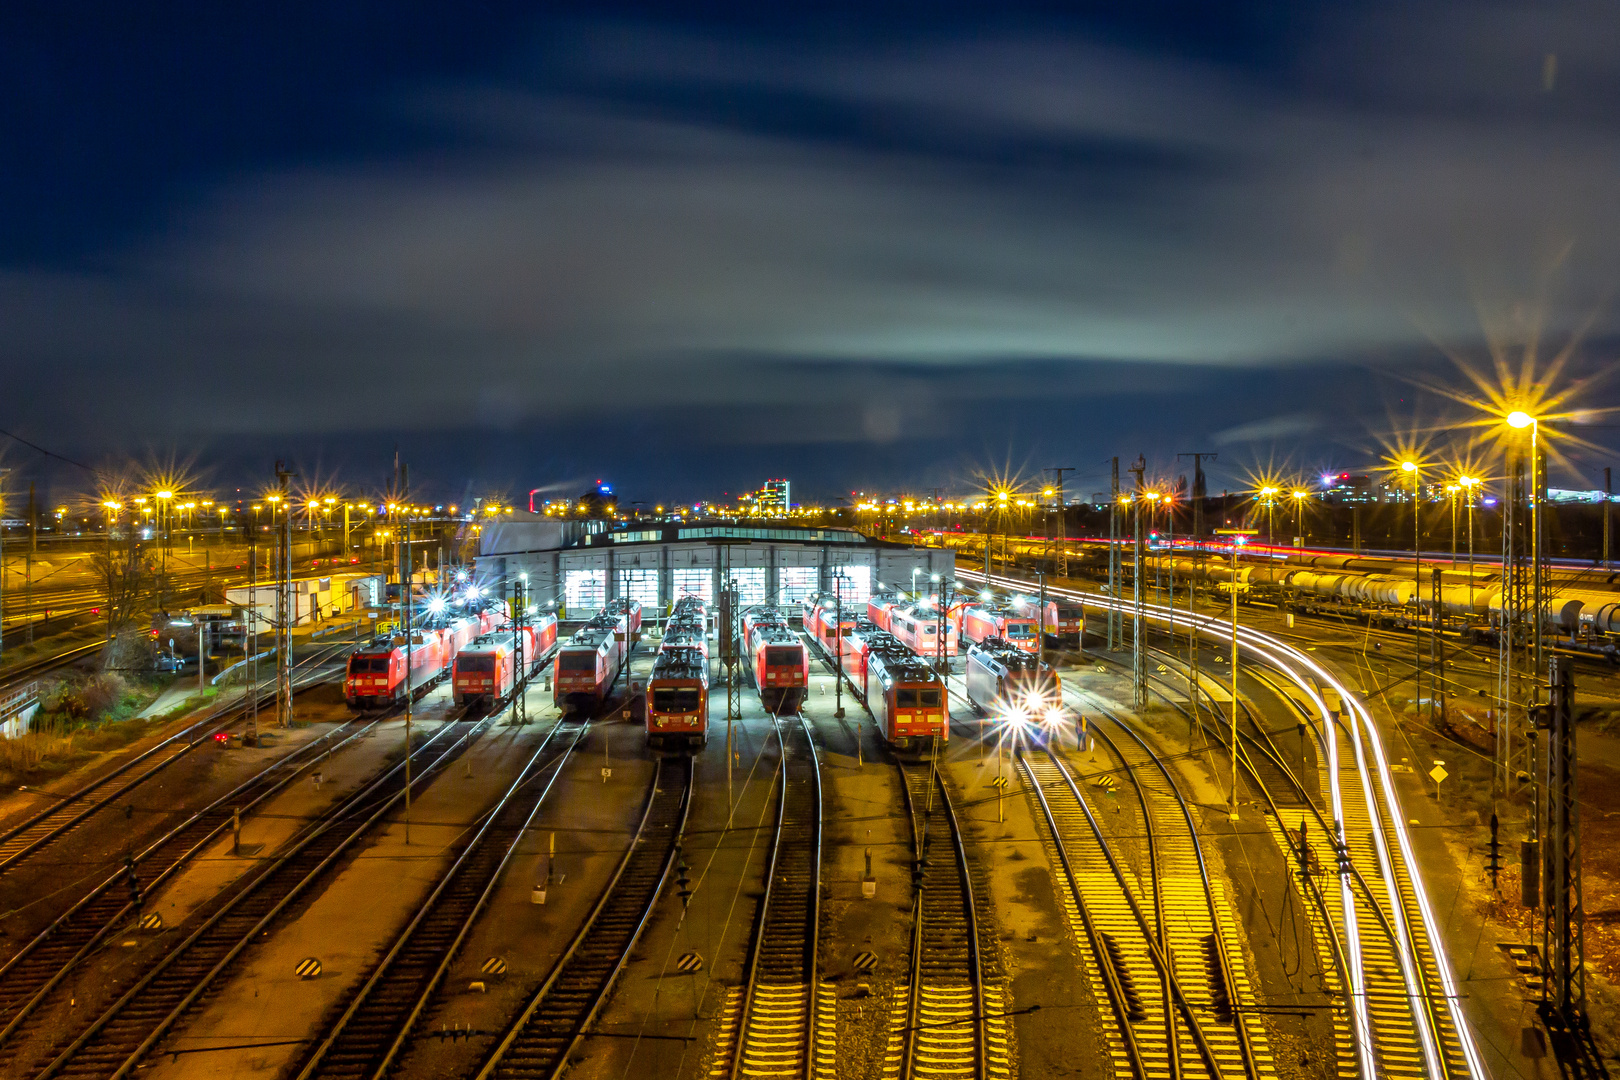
[579,566]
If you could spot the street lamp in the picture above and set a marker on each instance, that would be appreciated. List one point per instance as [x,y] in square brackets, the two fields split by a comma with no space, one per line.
[1238,537]
[1268,494]
[1300,496]
[1519,420]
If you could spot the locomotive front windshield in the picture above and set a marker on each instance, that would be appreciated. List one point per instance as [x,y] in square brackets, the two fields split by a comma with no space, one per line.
[781,657]
[913,698]
[1020,630]
[361,665]
[678,700]
[483,663]
[577,661]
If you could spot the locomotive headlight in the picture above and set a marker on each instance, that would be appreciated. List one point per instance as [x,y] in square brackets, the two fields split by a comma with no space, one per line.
[1054,716]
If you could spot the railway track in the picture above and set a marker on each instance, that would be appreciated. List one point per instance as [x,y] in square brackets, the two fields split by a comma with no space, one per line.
[375,1022]
[116,1040]
[1156,1030]
[1369,930]
[29,976]
[549,1028]
[786,1027]
[947,1021]
[66,813]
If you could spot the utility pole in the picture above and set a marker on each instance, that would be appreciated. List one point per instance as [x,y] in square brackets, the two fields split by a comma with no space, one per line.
[1563,929]
[520,662]
[1238,536]
[285,610]
[3,474]
[1608,493]
[1138,656]
[1113,559]
[1198,490]
[1063,532]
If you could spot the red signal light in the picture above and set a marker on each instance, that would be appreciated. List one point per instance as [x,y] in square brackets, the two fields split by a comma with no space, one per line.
[222,737]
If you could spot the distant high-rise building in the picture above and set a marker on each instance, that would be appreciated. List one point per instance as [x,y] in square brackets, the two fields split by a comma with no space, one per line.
[775,495]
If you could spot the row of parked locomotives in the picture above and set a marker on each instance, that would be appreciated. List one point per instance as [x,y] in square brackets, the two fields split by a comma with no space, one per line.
[919,624]
[383,671]
[780,660]
[588,663]
[492,665]
[826,620]
[903,692]
[678,691]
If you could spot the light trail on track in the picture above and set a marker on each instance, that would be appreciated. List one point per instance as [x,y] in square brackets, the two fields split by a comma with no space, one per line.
[1362,734]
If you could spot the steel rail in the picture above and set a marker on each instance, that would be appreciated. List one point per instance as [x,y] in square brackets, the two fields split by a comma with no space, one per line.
[66,813]
[1227,975]
[1392,824]
[1155,951]
[30,974]
[176,981]
[782,923]
[931,948]
[368,1036]
[546,1031]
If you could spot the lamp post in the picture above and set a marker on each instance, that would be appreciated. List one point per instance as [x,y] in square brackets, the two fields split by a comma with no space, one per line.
[1238,537]
[1415,471]
[1268,495]
[1300,496]
[1519,420]
[1468,483]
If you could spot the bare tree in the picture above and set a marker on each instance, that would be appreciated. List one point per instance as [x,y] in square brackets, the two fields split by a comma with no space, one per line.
[126,577]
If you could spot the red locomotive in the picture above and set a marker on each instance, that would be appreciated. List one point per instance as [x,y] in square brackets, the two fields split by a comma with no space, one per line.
[922,629]
[678,692]
[1065,622]
[821,610]
[879,606]
[486,669]
[987,620]
[905,696]
[781,660]
[376,671]
[588,662]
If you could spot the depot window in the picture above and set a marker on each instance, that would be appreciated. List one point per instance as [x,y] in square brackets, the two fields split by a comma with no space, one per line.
[640,585]
[797,583]
[693,581]
[584,590]
[857,583]
[750,585]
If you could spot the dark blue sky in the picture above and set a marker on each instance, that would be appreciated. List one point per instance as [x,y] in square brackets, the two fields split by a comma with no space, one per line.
[692,247]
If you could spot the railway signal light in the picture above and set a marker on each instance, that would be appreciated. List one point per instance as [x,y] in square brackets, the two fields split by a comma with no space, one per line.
[132,880]
[1493,861]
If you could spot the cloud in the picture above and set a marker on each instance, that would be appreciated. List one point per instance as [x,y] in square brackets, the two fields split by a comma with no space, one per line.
[669,221]
[1291,425]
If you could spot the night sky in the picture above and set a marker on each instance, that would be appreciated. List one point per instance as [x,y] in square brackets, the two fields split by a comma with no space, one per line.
[856,245]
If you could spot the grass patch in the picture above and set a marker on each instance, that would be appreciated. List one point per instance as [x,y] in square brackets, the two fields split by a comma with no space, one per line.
[82,717]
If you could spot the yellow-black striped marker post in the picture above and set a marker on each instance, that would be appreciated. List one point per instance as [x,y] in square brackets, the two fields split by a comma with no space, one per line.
[308,968]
